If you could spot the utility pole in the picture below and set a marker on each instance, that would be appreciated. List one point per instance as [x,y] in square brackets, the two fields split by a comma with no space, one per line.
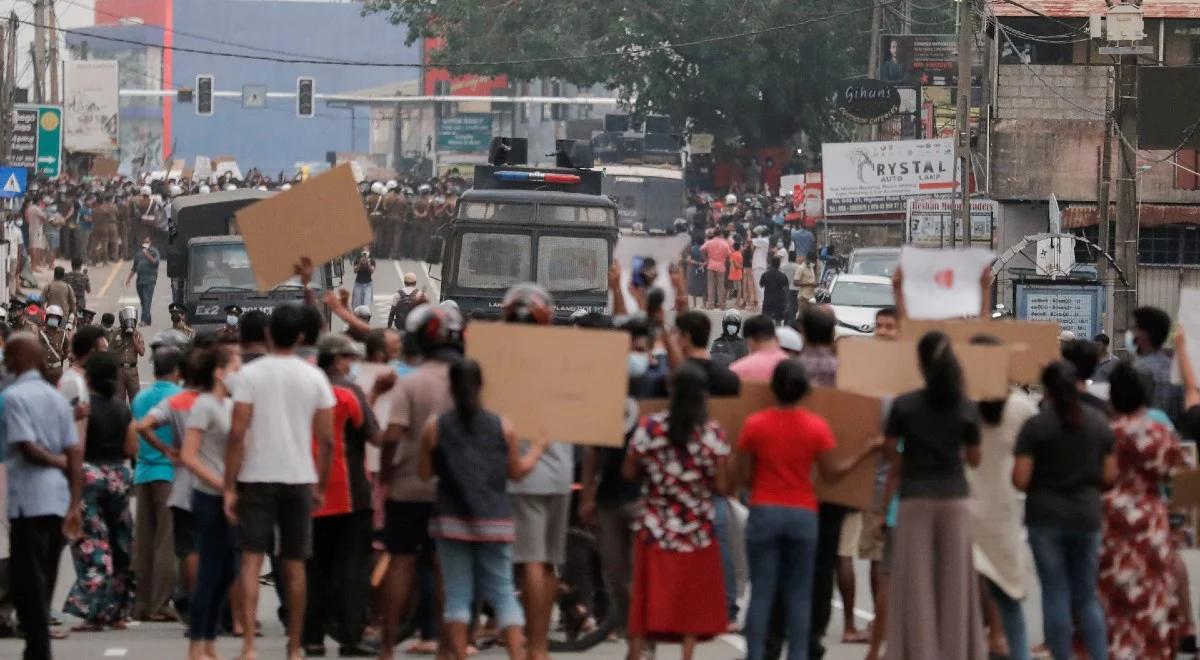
[872,132]
[39,49]
[966,38]
[52,38]
[1128,216]
[10,84]
[1105,177]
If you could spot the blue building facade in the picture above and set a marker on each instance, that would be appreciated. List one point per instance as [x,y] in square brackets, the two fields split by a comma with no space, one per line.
[273,138]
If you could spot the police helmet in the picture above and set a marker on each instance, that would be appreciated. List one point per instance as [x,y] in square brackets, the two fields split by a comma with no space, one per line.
[434,327]
[169,339]
[378,188]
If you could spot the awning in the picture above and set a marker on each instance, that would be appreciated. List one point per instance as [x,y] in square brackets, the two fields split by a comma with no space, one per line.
[1078,216]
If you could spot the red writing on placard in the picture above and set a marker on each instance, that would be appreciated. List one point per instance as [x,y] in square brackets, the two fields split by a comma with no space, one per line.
[944,278]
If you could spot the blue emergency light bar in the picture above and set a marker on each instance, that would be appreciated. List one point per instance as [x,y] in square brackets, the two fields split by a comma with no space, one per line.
[537,177]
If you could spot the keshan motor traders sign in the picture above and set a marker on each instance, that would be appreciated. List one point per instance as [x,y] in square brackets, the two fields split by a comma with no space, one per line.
[864,178]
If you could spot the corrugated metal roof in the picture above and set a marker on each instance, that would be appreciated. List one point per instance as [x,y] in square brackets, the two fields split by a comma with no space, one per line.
[1085,8]
[1077,216]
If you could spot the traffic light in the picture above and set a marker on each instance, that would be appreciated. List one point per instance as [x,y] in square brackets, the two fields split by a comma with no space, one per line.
[305,88]
[204,95]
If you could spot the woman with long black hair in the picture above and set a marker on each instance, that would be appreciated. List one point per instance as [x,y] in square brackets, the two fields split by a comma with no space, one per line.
[678,586]
[473,452]
[937,590]
[1063,460]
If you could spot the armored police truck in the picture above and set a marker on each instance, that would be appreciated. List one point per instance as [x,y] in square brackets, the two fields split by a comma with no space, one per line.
[519,224]
[208,264]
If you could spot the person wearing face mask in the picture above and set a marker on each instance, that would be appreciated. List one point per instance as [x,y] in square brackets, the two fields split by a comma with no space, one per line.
[338,570]
[608,502]
[145,267]
[230,332]
[53,338]
[127,343]
[729,347]
[179,321]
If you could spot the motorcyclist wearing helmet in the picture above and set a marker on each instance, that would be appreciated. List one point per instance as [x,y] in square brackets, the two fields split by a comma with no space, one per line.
[542,501]
[126,342]
[436,333]
[53,337]
[730,346]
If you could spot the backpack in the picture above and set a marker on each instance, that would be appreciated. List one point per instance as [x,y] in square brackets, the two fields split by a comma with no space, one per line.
[402,303]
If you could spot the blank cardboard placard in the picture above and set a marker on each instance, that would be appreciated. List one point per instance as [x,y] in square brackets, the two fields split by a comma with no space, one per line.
[730,412]
[882,368]
[1035,343]
[1185,490]
[856,420]
[321,219]
[568,382]
[1189,320]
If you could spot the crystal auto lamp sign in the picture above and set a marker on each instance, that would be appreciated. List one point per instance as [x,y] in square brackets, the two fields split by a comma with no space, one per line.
[867,101]
[865,178]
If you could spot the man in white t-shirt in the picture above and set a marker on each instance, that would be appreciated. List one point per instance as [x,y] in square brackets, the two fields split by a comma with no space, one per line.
[88,340]
[762,252]
[282,404]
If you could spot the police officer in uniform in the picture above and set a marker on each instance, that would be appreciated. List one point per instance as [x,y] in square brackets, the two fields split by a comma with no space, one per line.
[127,343]
[179,321]
[229,332]
[53,338]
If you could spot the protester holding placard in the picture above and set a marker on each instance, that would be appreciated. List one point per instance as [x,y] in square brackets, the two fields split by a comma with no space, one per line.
[680,455]
[1063,460]
[996,518]
[776,451]
[1137,561]
[938,588]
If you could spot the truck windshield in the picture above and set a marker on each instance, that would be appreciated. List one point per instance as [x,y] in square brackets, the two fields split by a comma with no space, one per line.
[494,261]
[572,263]
[227,266]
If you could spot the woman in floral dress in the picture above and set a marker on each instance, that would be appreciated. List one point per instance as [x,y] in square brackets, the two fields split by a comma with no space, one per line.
[103,591]
[678,584]
[1137,584]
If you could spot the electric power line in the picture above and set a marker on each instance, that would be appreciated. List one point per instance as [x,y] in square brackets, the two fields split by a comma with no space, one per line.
[630,52]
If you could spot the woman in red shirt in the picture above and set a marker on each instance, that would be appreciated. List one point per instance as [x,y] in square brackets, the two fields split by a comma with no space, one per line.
[776,452]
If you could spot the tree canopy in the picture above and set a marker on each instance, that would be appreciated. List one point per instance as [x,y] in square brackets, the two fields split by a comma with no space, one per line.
[758,71]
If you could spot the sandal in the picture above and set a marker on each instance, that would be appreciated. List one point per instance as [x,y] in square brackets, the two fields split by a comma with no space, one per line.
[856,637]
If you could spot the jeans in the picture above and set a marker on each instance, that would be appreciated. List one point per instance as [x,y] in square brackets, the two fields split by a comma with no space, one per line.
[218,565]
[471,569]
[145,292]
[1067,566]
[615,544]
[1013,618]
[723,511]
[781,543]
[364,294]
[36,545]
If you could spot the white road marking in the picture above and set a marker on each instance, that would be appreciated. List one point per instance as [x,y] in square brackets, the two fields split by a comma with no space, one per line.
[115,653]
[736,641]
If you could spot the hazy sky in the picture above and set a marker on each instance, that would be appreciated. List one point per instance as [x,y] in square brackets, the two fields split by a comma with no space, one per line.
[71,14]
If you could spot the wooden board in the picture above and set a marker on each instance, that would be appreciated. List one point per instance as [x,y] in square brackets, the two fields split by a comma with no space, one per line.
[569,382]
[321,219]
[1035,343]
[883,368]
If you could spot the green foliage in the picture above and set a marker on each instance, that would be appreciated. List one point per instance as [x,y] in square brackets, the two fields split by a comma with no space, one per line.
[760,89]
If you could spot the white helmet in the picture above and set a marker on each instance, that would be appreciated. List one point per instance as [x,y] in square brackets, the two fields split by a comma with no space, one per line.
[230,186]
[285,187]
[146,190]
[54,310]
[378,188]
[262,188]
[424,189]
[175,190]
[730,199]
[392,185]
[204,190]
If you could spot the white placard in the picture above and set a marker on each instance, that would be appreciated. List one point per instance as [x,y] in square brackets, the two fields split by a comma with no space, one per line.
[90,121]
[1189,320]
[862,178]
[943,284]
